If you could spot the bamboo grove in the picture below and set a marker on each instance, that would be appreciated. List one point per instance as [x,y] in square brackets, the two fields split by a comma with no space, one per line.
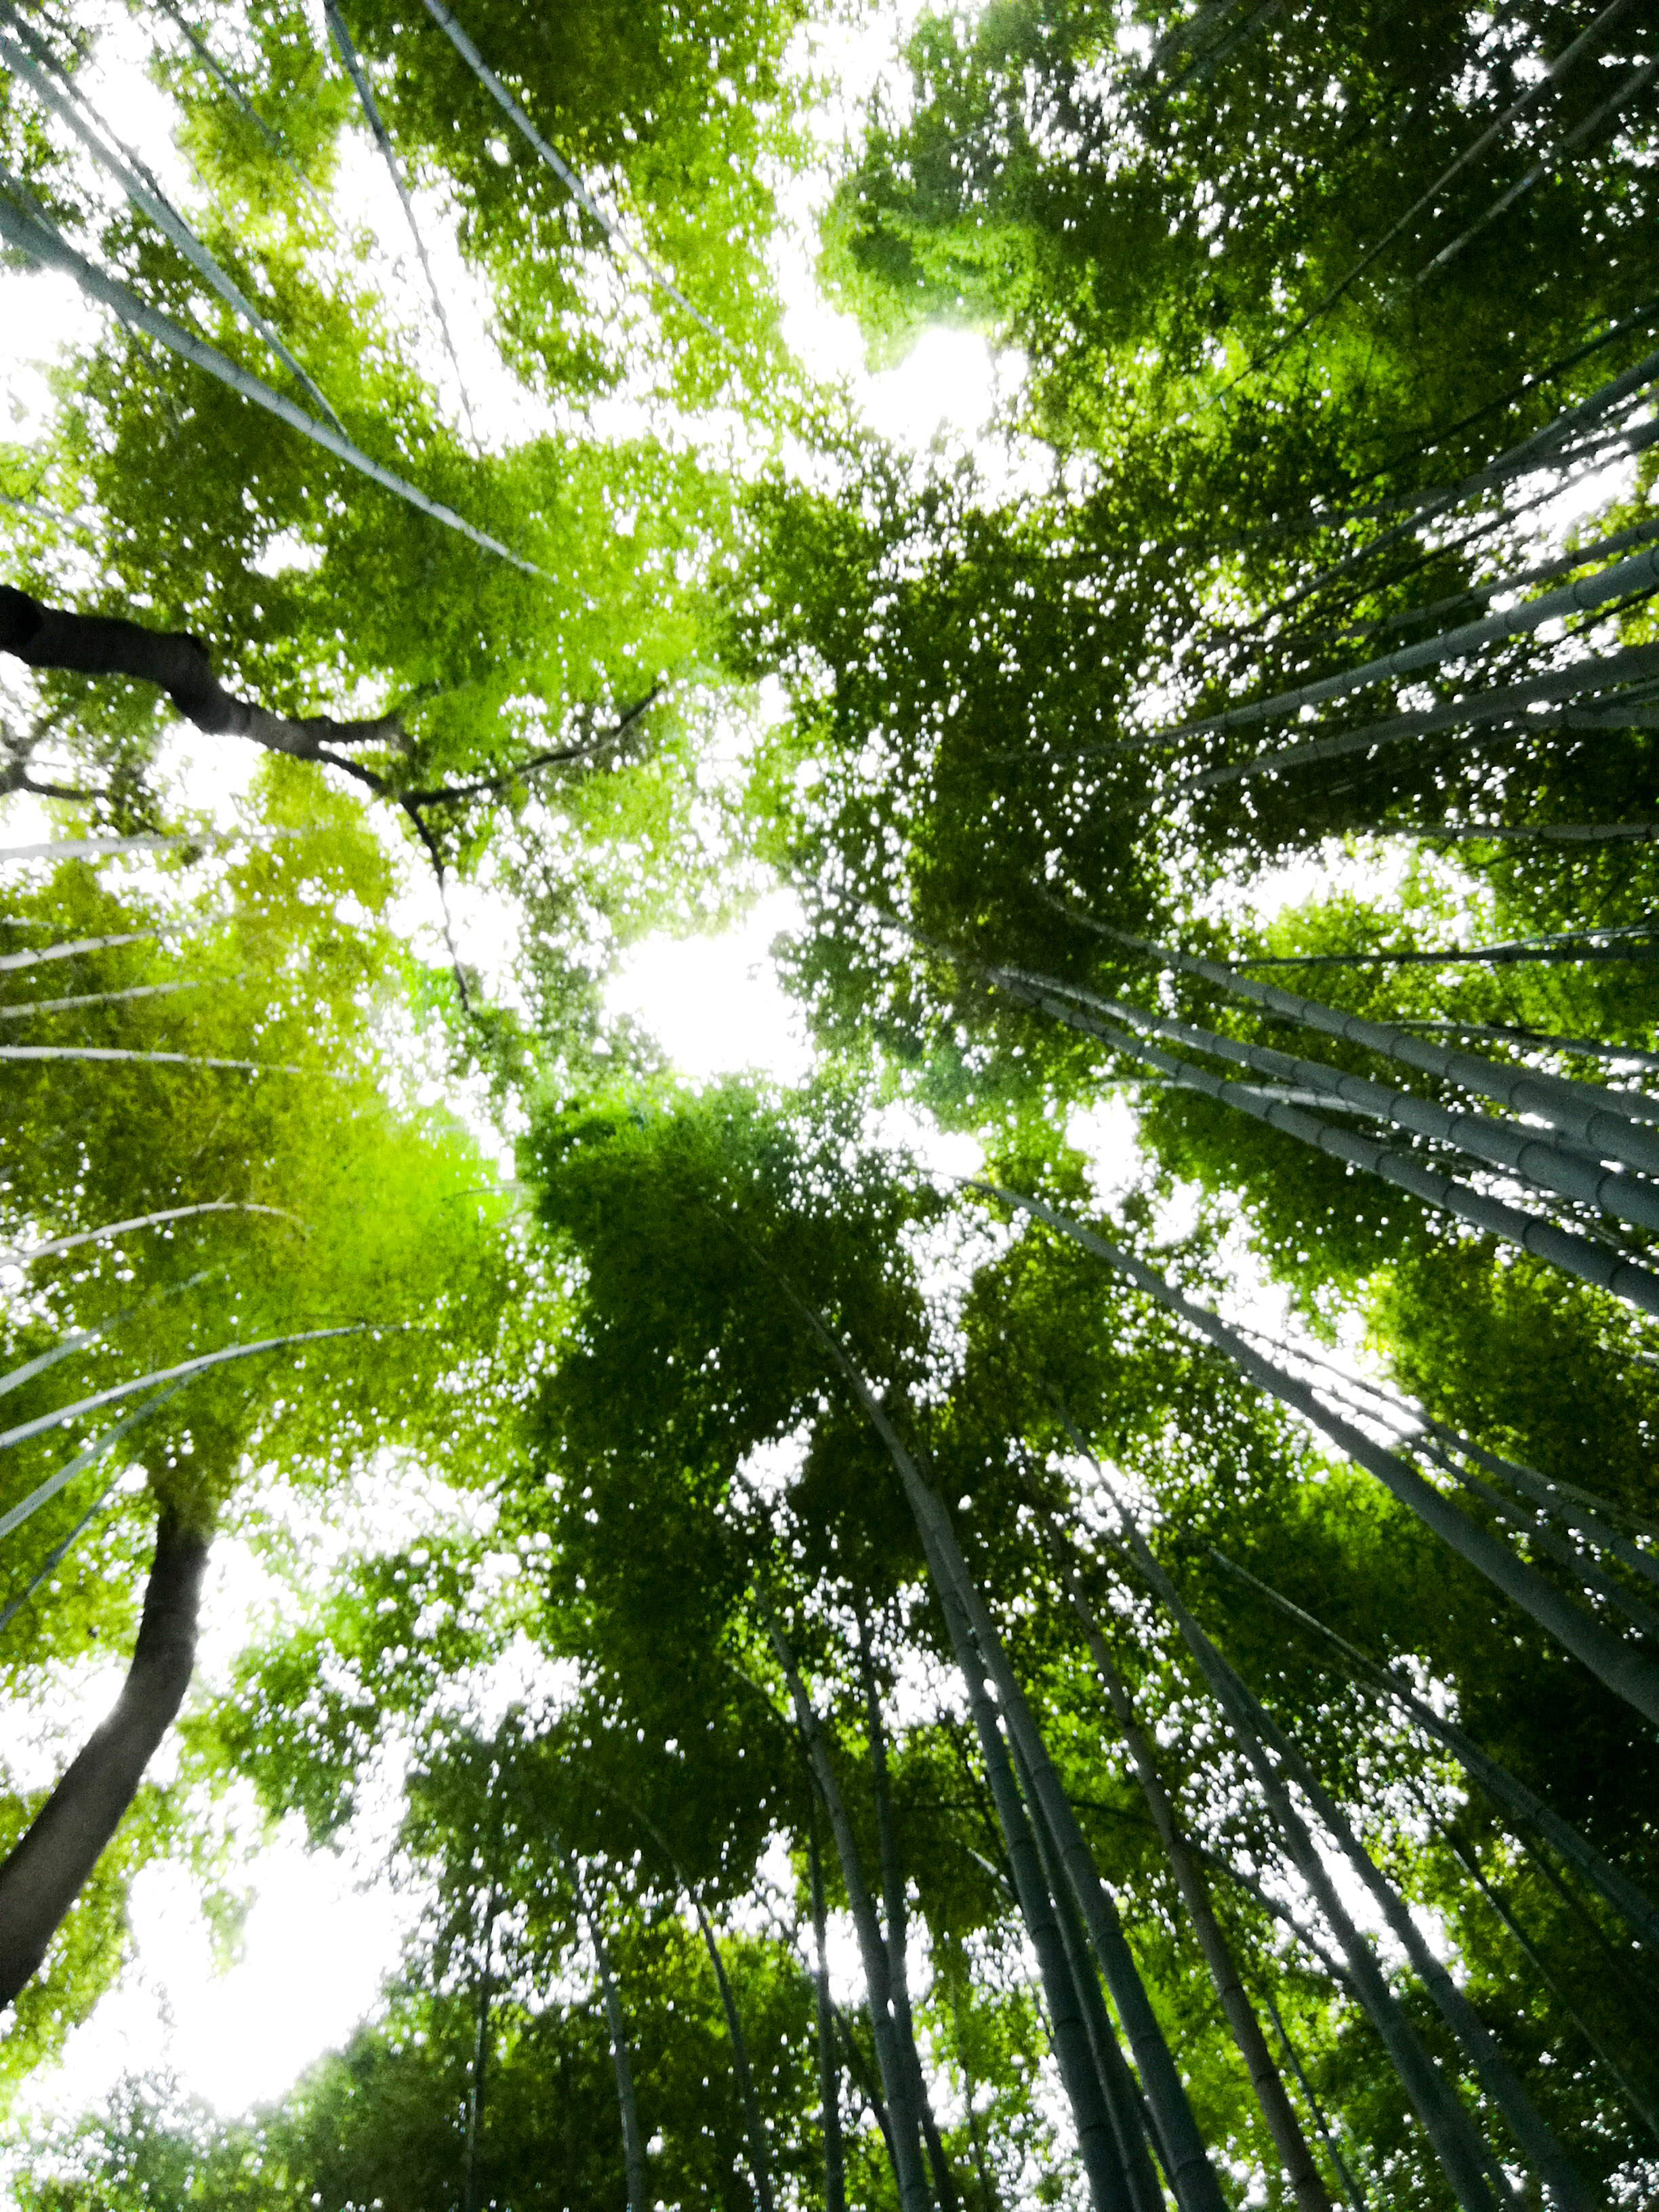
[1064,1611]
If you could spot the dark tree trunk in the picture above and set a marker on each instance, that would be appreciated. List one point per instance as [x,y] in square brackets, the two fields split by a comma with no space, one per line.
[47,1871]
[177,664]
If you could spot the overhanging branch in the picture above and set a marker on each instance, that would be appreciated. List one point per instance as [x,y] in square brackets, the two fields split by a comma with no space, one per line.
[177,664]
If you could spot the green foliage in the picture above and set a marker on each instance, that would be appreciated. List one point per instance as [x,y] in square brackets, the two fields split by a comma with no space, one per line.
[1244,452]
[328,1204]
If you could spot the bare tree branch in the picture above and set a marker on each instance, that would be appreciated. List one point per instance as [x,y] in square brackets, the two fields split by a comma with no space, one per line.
[15,777]
[446,794]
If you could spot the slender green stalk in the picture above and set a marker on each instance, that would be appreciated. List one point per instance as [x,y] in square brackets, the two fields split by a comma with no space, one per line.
[627,2102]
[1275,1908]
[31,1007]
[445,19]
[1551,73]
[760,2165]
[1351,2188]
[58,1554]
[1530,453]
[1574,1255]
[21,1255]
[1619,1665]
[1506,1790]
[1638,572]
[1109,2142]
[30,231]
[1192,2177]
[1639,1985]
[1622,94]
[1637,2103]
[227,84]
[1537,2140]
[759,2161]
[364,92]
[895,1906]
[1540,571]
[1474,710]
[64,1348]
[1639,1108]
[1535,1157]
[71,948]
[126,1055]
[1629,947]
[1589,1575]
[1563,1501]
[472,2185]
[31,59]
[1492,833]
[143,841]
[1133,2122]
[83,1458]
[835,2161]
[1463,2156]
[905,2139]
[1300,2170]
[865,2084]
[182,1371]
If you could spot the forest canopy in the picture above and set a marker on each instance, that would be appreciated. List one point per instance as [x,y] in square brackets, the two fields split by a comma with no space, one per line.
[1062,1610]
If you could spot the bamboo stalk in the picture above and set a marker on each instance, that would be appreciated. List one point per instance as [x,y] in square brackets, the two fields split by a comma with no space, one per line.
[834,2162]
[1573,1254]
[34,61]
[1506,1790]
[1132,2119]
[894,1905]
[21,1255]
[30,231]
[1595,1116]
[1528,453]
[95,998]
[445,19]
[1192,2175]
[1638,573]
[1500,1144]
[1118,2172]
[72,947]
[184,1370]
[1473,710]
[1288,2140]
[365,91]
[1623,1670]
[1642,74]
[1461,2154]
[82,1460]
[896,2082]
[627,2102]
[1517,107]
